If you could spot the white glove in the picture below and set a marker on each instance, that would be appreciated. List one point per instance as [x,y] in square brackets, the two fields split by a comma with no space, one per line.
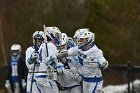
[60,68]
[35,56]
[51,60]
[61,54]
[7,84]
[23,83]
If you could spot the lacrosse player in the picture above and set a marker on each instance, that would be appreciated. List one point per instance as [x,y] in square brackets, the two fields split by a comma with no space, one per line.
[17,71]
[33,59]
[91,58]
[49,49]
[68,76]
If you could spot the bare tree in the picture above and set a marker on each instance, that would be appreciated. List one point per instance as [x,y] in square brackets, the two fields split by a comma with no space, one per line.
[2,44]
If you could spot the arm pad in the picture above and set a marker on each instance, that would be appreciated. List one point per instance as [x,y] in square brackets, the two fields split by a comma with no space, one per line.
[104,65]
[62,54]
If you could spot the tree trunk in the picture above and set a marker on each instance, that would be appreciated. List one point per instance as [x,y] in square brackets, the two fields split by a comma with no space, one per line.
[2,45]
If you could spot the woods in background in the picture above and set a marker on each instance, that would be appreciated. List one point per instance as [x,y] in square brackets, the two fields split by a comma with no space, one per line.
[116,23]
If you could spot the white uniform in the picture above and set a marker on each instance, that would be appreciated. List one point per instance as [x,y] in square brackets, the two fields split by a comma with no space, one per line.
[46,81]
[30,67]
[91,61]
[69,84]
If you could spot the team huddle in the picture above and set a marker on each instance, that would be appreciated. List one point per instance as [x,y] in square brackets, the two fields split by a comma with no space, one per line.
[60,64]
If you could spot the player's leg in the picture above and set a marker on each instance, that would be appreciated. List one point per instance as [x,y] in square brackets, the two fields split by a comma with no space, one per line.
[77,89]
[64,91]
[92,87]
[35,88]
[48,86]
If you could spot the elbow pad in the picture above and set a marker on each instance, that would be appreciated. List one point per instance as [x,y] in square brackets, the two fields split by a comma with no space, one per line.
[104,65]
[62,54]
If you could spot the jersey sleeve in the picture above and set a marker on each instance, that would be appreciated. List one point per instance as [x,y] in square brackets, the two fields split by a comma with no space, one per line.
[49,55]
[73,51]
[28,53]
[101,59]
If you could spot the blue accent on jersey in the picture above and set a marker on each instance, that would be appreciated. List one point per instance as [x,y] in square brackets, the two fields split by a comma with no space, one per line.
[95,88]
[81,57]
[59,66]
[37,86]
[80,60]
[66,66]
[76,59]
[15,79]
[70,87]
[51,85]
[40,56]
[93,79]
[14,63]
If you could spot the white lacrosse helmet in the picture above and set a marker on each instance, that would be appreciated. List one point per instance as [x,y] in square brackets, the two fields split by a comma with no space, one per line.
[15,50]
[85,38]
[53,33]
[38,35]
[63,39]
[80,31]
[16,47]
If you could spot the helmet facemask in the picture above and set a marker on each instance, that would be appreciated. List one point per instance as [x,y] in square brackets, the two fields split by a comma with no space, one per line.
[38,40]
[85,39]
[15,51]
[78,33]
[82,41]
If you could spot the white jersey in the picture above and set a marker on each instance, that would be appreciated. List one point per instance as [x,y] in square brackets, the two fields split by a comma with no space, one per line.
[52,50]
[45,81]
[45,48]
[91,60]
[30,67]
[65,80]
